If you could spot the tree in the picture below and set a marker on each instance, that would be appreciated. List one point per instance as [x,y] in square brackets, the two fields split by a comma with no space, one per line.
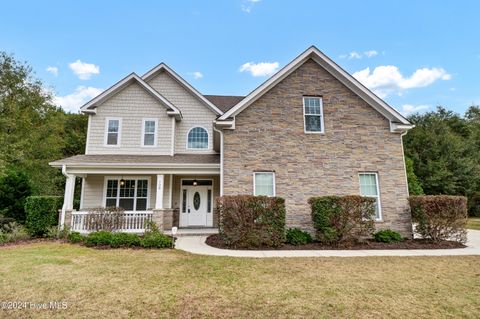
[14,189]
[414,186]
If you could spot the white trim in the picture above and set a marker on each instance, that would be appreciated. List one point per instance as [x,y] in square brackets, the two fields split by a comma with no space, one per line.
[334,69]
[273,181]
[221,158]
[322,131]
[147,171]
[129,177]
[198,149]
[87,107]
[119,133]
[172,140]
[155,133]
[82,192]
[170,191]
[87,143]
[162,66]
[208,215]
[378,197]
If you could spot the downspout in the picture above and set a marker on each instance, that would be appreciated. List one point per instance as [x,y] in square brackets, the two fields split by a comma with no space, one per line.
[64,206]
[404,163]
[221,158]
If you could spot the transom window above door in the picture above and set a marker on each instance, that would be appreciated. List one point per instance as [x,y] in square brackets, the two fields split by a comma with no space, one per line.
[129,194]
[313,114]
[197,138]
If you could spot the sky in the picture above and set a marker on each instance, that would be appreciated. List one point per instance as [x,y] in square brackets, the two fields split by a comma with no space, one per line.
[413,54]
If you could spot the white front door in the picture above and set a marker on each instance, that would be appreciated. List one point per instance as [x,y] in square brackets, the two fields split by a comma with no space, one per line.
[194,206]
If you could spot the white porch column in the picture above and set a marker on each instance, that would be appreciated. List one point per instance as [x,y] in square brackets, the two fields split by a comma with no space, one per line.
[170,193]
[160,187]
[68,198]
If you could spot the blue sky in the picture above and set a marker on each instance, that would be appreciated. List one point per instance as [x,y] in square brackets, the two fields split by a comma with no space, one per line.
[414,54]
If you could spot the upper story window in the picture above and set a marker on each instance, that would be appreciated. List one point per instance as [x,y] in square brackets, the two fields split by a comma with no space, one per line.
[197,138]
[313,114]
[264,184]
[149,132]
[369,188]
[113,131]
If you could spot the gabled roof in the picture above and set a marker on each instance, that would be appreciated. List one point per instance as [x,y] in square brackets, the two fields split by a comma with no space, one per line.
[90,106]
[224,102]
[334,69]
[163,67]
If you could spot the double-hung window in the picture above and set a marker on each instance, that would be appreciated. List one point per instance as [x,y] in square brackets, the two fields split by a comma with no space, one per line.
[313,114]
[113,129]
[264,184]
[149,134]
[369,188]
[129,194]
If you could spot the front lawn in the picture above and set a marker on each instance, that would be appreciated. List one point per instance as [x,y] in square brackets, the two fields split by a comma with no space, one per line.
[473,223]
[169,284]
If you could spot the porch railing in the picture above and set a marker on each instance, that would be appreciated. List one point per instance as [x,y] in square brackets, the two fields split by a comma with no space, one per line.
[127,222]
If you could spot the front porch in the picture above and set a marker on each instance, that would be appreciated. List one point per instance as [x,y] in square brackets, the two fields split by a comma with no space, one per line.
[174,195]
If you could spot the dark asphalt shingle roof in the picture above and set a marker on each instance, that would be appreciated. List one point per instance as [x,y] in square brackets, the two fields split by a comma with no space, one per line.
[224,102]
[139,159]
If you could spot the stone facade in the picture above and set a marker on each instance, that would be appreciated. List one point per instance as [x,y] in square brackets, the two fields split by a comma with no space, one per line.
[269,136]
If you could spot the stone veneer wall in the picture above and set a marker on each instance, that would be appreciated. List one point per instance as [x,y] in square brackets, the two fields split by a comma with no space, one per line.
[269,136]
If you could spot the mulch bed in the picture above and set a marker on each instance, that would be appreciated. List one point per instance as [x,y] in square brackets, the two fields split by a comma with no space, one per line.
[215,241]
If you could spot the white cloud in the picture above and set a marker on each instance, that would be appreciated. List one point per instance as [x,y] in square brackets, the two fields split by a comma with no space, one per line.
[52,69]
[408,109]
[260,69]
[357,55]
[197,75]
[387,79]
[370,53]
[73,101]
[84,70]
[247,6]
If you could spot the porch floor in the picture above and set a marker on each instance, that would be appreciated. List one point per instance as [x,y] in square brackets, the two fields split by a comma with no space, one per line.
[193,232]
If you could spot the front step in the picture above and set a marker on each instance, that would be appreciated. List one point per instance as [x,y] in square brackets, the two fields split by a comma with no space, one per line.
[193,232]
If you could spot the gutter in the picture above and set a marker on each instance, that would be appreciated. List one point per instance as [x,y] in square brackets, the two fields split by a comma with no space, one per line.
[221,158]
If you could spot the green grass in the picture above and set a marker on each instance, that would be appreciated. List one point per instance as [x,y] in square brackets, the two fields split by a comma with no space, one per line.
[173,284]
[473,223]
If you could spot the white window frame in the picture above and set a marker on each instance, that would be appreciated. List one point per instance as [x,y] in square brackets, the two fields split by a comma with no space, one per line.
[273,181]
[119,136]
[155,133]
[379,202]
[322,131]
[136,178]
[198,149]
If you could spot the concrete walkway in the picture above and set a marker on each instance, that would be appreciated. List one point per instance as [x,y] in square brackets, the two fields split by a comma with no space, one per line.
[197,245]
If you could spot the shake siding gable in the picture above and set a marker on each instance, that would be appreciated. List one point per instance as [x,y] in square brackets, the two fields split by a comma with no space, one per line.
[132,104]
[269,136]
[194,112]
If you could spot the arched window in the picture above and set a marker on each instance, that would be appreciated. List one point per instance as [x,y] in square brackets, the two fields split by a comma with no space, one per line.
[197,138]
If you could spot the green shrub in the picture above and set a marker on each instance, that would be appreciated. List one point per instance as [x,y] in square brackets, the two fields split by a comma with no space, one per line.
[387,236]
[156,240]
[75,237]
[42,213]
[296,236]
[440,217]
[14,189]
[247,221]
[55,232]
[124,240]
[99,238]
[342,218]
[13,232]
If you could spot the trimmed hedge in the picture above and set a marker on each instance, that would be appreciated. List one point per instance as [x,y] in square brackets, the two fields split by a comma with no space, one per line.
[152,239]
[42,213]
[296,236]
[387,236]
[342,218]
[251,221]
[440,217]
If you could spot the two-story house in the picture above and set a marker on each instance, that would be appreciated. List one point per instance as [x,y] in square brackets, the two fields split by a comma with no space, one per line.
[160,149]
